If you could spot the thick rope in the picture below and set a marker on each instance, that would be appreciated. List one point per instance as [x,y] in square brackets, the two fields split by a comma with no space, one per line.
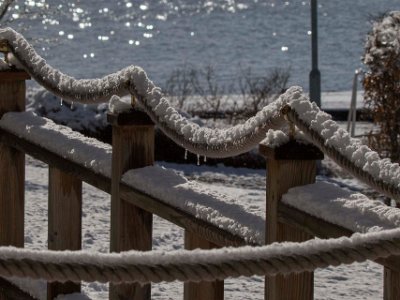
[198,265]
[213,143]
[382,186]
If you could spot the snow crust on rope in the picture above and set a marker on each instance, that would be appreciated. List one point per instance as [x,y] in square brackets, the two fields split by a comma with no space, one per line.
[203,141]
[360,155]
[351,210]
[88,152]
[198,200]
[197,265]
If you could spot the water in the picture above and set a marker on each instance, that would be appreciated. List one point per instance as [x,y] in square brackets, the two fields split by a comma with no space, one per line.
[93,37]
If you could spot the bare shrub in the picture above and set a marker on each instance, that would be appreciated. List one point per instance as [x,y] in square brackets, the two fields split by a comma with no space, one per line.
[259,91]
[179,85]
[211,91]
[209,95]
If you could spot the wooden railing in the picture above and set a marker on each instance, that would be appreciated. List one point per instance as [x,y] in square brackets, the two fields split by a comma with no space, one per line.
[131,210]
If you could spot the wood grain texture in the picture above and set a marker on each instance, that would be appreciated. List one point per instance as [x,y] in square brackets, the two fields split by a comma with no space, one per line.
[391,287]
[13,75]
[202,290]
[282,175]
[65,221]
[12,177]
[12,171]
[12,95]
[131,226]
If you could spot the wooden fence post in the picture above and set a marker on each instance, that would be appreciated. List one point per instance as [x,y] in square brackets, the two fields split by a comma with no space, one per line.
[65,222]
[131,226]
[288,166]
[12,168]
[12,164]
[202,290]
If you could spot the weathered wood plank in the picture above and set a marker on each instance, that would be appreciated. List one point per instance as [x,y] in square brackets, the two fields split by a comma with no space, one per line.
[12,177]
[202,290]
[131,226]
[65,222]
[13,75]
[12,170]
[391,286]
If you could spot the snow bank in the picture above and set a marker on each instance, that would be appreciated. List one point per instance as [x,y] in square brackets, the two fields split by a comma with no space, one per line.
[198,200]
[60,139]
[351,210]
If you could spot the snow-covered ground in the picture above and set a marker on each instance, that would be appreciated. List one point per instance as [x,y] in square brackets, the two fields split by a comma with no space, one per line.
[247,186]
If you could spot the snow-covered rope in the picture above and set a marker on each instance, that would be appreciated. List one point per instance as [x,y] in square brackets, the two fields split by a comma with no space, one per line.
[197,265]
[133,80]
[349,153]
[336,142]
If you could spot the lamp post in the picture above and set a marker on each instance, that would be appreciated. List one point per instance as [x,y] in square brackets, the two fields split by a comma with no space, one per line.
[315,75]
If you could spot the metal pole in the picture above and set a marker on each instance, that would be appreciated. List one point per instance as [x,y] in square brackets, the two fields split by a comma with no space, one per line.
[315,75]
[354,103]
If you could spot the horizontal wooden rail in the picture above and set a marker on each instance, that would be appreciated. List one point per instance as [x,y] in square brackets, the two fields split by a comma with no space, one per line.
[53,159]
[166,211]
[323,229]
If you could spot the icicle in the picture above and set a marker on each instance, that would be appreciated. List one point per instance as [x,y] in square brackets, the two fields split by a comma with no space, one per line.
[72,105]
[198,159]
[186,154]
[61,102]
[205,158]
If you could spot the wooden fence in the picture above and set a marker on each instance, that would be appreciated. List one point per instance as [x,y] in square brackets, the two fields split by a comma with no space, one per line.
[131,210]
